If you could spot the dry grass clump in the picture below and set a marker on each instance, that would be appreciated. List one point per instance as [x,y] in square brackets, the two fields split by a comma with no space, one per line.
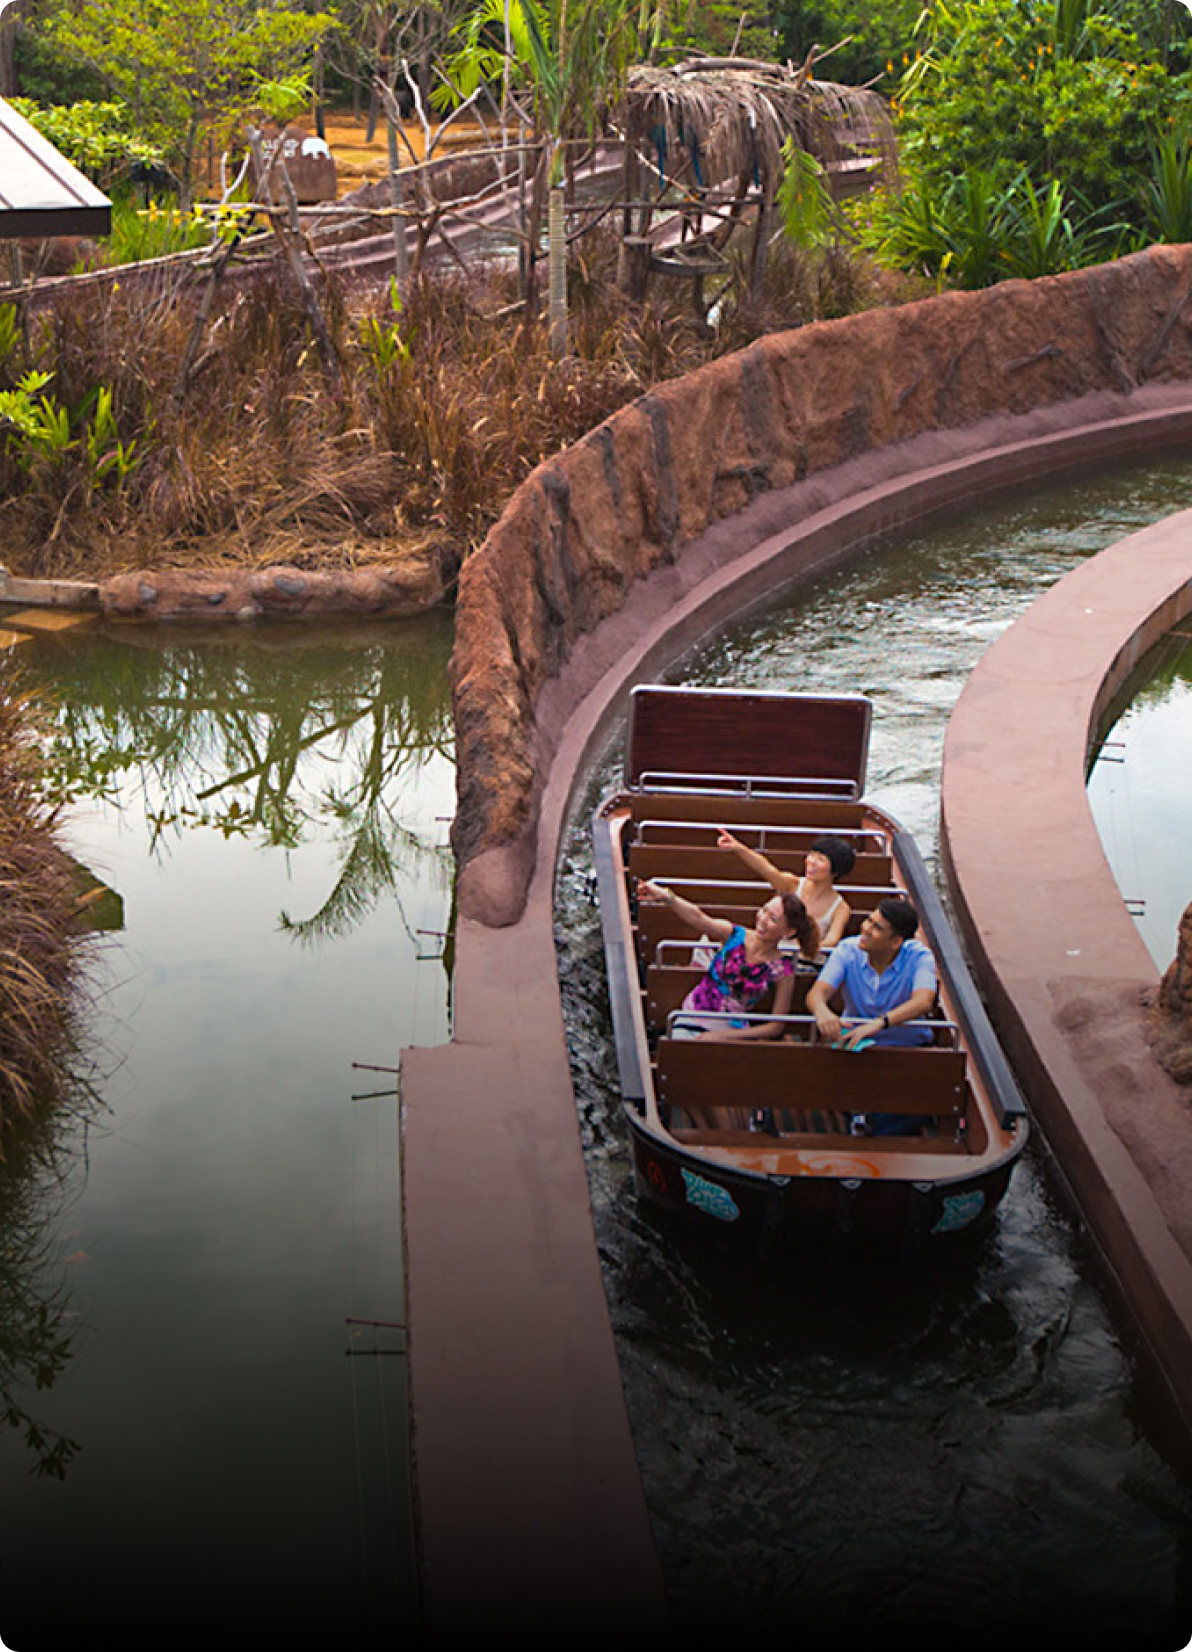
[39,940]
[446,405]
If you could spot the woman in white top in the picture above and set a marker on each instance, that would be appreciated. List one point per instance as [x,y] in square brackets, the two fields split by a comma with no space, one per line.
[828,858]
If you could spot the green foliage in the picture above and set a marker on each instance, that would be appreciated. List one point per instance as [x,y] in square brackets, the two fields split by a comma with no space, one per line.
[98,138]
[716,27]
[878,33]
[381,341]
[38,431]
[107,455]
[565,64]
[153,231]
[972,230]
[805,202]
[1055,88]
[193,63]
[1168,192]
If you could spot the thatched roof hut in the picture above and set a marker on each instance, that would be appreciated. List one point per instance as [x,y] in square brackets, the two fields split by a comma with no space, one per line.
[715,128]
[710,120]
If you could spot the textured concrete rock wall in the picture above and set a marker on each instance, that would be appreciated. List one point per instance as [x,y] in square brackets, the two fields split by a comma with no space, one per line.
[629,496]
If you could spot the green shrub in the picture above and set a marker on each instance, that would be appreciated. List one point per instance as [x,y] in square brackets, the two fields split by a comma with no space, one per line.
[1054,90]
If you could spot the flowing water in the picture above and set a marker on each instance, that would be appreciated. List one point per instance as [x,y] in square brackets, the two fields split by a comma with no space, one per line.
[196,1259]
[218,1233]
[835,1454]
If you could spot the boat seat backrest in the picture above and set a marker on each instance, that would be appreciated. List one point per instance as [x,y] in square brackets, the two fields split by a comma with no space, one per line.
[824,814]
[703,1075]
[673,861]
[657,922]
[667,985]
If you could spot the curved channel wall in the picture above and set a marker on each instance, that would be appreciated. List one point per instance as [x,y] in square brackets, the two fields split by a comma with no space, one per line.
[630,496]
[1068,978]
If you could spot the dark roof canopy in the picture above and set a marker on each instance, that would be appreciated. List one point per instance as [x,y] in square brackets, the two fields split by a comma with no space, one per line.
[41,193]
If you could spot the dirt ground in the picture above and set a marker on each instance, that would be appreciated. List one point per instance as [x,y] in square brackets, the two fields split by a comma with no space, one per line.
[357,161]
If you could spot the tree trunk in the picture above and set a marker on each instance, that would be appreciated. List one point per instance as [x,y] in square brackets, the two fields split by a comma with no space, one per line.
[8,37]
[401,251]
[557,272]
[289,233]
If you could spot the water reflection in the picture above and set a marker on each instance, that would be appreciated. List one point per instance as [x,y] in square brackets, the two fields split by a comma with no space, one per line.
[271,743]
[236,1384]
[838,1451]
[1140,791]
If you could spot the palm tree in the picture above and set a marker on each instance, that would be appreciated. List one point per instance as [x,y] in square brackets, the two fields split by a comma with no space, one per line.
[561,65]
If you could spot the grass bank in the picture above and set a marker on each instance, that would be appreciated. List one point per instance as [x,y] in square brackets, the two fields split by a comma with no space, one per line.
[445,405]
[40,940]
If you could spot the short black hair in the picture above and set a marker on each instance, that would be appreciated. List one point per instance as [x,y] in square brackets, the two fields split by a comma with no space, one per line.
[841,855]
[900,915]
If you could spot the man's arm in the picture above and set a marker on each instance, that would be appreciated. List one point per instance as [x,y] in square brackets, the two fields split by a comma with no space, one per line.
[913,1008]
[818,995]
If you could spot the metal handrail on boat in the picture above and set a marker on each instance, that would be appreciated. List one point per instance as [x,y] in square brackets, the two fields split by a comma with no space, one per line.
[735,1018]
[858,835]
[747,785]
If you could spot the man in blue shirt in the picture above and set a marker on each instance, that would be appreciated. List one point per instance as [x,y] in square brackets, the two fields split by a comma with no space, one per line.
[888,978]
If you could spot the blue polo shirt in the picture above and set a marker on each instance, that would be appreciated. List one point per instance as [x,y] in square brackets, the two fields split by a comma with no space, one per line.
[868,995]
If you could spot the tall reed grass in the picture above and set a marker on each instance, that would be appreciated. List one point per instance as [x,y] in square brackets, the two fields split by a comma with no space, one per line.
[39,939]
[447,404]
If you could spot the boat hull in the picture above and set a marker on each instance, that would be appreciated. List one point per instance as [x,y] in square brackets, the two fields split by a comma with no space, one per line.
[768,1135]
[845,1199]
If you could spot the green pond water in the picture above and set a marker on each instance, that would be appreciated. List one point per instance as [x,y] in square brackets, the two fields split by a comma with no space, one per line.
[198,1254]
[217,1232]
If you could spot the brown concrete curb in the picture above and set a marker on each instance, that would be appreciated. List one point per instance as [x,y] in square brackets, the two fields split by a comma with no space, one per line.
[525,1468]
[1063,965]
[219,596]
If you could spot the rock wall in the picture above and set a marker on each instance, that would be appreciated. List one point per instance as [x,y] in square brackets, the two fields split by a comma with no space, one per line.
[632,493]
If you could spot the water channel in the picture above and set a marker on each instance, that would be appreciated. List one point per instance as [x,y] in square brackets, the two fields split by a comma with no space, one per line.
[216,1234]
[957,1452]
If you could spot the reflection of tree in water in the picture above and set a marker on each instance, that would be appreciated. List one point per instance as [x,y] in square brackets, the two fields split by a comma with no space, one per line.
[35,1317]
[272,738]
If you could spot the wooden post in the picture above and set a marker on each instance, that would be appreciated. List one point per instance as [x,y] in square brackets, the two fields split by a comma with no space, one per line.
[289,233]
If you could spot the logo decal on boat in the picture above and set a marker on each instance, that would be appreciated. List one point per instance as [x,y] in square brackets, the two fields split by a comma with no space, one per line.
[706,1195]
[959,1210]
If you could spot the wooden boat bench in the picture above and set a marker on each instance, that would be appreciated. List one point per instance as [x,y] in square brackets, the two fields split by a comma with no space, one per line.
[692,808]
[717,1085]
[667,985]
[686,862]
[766,836]
[657,922]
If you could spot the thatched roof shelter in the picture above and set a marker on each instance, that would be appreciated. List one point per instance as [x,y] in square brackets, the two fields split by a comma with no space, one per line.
[715,128]
[709,120]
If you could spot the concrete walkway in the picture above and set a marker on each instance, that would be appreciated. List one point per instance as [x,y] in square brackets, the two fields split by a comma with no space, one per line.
[1059,956]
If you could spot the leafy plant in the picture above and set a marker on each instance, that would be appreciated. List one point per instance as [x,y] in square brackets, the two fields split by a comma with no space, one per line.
[1168,191]
[107,456]
[382,342]
[805,202]
[33,423]
[1052,88]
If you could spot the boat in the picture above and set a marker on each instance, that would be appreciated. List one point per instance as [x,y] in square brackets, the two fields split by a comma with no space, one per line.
[778,770]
